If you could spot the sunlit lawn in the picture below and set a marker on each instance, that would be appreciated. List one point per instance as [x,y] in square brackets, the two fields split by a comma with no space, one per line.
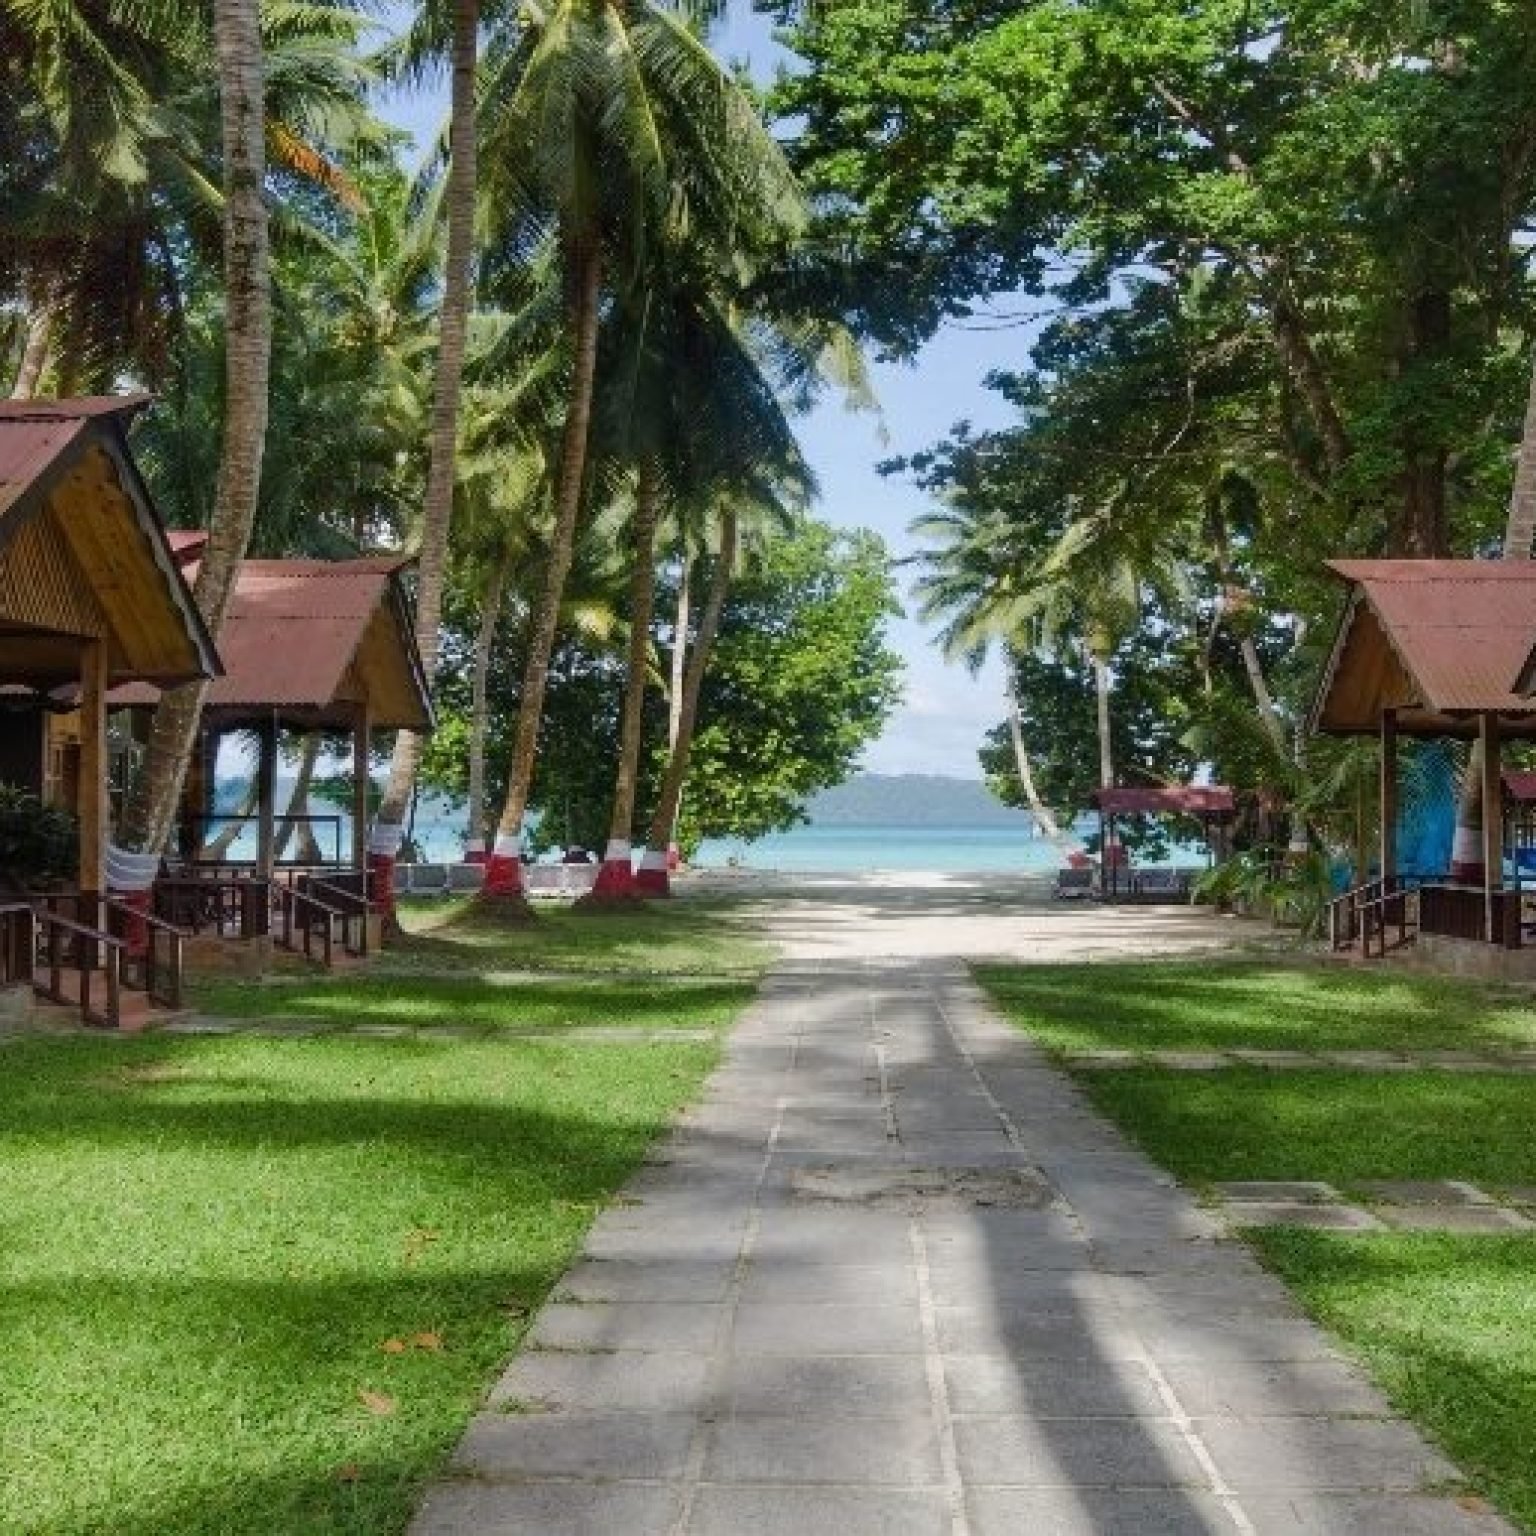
[1447,1324]
[690,935]
[256,1286]
[1215,1004]
[683,965]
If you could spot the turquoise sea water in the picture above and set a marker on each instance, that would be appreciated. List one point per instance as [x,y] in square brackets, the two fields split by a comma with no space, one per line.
[860,849]
[820,849]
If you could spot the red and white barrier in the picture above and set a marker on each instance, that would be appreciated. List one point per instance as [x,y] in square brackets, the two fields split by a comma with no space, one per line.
[651,879]
[384,840]
[504,868]
[131,880]
[1467,864]
[616,877]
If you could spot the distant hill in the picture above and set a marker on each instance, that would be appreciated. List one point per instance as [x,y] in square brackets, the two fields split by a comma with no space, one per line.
[912,800]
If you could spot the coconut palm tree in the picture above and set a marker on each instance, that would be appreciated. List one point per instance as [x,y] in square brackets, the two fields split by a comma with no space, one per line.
[248,348]
[437,509]
[613,132]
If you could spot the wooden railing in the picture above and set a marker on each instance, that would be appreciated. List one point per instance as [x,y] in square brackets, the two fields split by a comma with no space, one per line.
[300,917]
[347,895]
[233,908]
[63,945]
[1460,912]
[153,951]
[17,925]
[1392,912]
[1344,911]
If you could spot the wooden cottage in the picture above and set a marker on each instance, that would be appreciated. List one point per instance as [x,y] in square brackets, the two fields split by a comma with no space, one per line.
[1436,649]
[91,597]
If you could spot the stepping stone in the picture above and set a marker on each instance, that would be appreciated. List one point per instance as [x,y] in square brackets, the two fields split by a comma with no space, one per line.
[1278,1060]
[1458,1061]
[1370,1061]
[1514,1061]
[1307,1190]
[1098,1061]
[1471,1219]
[1295,1213]
[1422,1192]
[1518,1194]
[1191,1061]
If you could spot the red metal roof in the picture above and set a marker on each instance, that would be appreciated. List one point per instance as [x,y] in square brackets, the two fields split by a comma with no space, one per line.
[293,630]
[1462,629]
[34,435]
[1180,800]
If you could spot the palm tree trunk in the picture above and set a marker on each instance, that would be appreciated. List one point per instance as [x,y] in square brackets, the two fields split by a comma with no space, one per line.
[1101,689]
[679,651]
[151,809]
[1040,810]
[1519,532]
[214,849]
[479,710]
[298,801]
[616,879]
[652,878]
[504,871]
[437,507]
[34,355]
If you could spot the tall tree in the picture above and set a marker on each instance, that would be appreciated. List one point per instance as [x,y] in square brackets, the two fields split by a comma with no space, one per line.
[619,132]
[437,512]
[149,814]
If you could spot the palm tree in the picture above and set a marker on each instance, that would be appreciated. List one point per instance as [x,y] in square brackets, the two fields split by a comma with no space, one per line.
[248,347]
[614,131]
[453,325]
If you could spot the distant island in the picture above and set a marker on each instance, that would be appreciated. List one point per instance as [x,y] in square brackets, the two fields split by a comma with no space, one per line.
[912,800]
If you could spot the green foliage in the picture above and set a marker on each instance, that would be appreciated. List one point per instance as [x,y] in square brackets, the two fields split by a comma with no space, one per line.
[801,681]
[39,843]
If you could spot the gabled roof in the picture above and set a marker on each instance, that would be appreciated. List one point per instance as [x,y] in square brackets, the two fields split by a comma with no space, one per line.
[1175,800]
[309,641]
[83,553]
[1438,641]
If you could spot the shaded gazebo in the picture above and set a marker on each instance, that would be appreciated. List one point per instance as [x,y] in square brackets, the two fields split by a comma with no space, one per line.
[1210,806]
[91,598]
[1434,649]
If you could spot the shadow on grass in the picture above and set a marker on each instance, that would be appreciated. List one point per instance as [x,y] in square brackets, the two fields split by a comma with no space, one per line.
[201,1268]
[1337,1126]
[1213,1004]
[1448,1328]
[536,1003]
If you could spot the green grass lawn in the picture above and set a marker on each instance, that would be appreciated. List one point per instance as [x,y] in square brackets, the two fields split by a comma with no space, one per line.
[256,1286]
[512,1002]
[688,936]
[1221,1004]
[1247,1123]
[690,964]
[1448,1327]
[1447,1324]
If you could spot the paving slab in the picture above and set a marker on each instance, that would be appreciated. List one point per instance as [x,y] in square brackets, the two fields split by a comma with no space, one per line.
[1433,1192]
[894,1276]
[1311,1190]
[1473,1220]
[1299,1213]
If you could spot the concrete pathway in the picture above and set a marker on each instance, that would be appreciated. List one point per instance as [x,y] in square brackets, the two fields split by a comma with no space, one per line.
[894,1277]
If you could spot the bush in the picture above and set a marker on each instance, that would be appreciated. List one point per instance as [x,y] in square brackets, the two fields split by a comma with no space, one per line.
[38,843]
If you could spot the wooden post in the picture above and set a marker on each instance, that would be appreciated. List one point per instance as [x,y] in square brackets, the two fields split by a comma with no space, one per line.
[266,797]
[1388,795]
[362,730]
[1493,822]
[91,807]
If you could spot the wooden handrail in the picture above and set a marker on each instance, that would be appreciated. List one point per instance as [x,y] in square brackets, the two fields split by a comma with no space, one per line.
[353,910]
[89,941]
[161,982]
[293,904]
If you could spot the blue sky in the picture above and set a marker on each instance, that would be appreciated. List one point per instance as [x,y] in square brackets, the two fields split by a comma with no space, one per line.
[945,711]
